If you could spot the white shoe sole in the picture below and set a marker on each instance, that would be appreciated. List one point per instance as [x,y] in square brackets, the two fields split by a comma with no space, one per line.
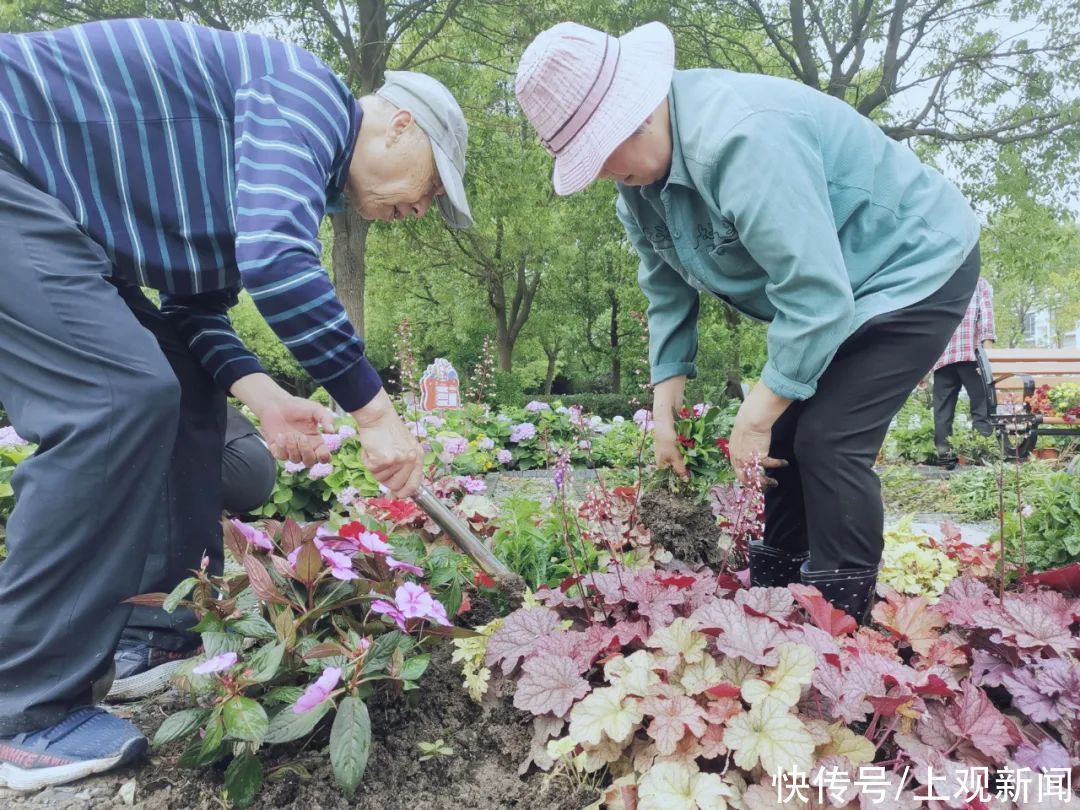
[144,684]
[27,779]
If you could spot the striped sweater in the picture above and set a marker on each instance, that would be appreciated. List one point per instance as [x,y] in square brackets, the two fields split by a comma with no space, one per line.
[201,161]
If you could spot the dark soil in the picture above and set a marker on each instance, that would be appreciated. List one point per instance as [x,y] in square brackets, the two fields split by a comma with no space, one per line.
[489,742]
[683,526]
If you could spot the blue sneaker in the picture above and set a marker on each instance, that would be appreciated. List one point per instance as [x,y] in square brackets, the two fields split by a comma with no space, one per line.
[142,670]
[87,741]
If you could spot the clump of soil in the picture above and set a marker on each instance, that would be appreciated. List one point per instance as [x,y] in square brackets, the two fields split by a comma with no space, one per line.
[489,742]
[683,526]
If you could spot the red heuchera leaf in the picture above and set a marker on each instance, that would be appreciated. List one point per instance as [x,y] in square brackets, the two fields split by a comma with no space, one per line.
[974,718]
[1049,755]
[550,683]
[868,641]
[677,581]
[1033,694]
[946,775]
[575,645]
[750,637]
[987,668]
[730,582]
[912,619]
[399,512]
[655,602]
[629,632]
[828,651]
[555,598]
[847,690]
[672,718]
[1032,620]
[889,705]
[933,686]
[822,613]
[1065,579]
[944,651]
[519,636]
[724,690]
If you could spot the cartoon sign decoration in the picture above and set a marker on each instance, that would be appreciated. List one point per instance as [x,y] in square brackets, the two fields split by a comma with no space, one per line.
[439,387]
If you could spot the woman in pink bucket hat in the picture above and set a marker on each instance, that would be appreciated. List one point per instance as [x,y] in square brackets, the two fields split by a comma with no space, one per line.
[795,210]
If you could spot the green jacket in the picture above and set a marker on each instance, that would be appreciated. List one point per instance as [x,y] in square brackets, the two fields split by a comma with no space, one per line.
[796,210]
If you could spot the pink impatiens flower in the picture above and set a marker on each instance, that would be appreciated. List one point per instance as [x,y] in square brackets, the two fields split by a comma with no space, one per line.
[319,691]
[387,609]
[372,543]
[404,566]
[216,664]
[257,538]
[416,603]
[471,484]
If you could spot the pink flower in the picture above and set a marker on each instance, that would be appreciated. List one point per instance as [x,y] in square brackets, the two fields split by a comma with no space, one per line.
[438,613]
[320,470]
[319,691]
[216,664]
[345,431]
[332,441]
[412,600]
[699,409]
[455,446]
[386,609]
[522,432]
[347,496]
[9,438]
[340,564]
[485,443]
[257,538]
[585,444]
[404,566]
[294,466]
[536,406]
[643,419]
[504,456]
[471,484]
[418,430]
[372,543]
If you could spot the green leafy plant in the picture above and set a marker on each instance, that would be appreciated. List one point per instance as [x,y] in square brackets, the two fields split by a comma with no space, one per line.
[332,617]
[434,750]
[1046,533]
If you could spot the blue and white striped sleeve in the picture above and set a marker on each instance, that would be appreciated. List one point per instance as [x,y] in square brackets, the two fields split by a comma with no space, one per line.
[289,129]
[203,322]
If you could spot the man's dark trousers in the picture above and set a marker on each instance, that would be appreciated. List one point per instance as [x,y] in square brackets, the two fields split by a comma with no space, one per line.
[947,382]
[129,431]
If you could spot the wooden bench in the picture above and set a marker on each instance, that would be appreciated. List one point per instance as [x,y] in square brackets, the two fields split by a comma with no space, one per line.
[1011,377]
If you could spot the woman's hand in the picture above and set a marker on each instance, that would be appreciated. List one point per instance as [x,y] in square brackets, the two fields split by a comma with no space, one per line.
[752,434]
[667,398]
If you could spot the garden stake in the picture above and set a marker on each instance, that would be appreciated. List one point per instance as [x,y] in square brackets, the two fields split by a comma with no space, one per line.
[457,530]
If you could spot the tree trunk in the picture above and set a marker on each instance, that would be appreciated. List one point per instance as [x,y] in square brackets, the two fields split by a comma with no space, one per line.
[552,358]
[504,344]
[348,257]
[616,358]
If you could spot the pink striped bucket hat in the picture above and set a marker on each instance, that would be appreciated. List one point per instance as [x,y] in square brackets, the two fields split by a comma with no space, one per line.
[585,92]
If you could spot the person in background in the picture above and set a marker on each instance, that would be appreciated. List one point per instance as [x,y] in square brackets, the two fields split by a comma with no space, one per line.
[797,211]
[958,367]
[196,162]
[248,474]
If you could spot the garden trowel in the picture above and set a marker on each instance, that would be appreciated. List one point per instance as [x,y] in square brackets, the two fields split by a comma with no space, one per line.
[458,530]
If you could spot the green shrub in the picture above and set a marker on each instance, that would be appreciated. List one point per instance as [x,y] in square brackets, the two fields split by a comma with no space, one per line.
[1051,529]
[606,406]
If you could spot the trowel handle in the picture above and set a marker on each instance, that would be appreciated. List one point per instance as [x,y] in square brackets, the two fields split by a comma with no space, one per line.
[460,533]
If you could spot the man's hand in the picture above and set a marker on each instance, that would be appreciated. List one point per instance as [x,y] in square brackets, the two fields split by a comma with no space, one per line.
[292,426]
[390,451]
[752,434]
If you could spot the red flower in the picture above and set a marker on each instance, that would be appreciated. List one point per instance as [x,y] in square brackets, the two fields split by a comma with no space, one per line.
[687,442]
[401,512]
[480,579]
[724,446]
[685,413]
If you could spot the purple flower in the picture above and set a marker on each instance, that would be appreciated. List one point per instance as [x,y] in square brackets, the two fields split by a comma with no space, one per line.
[585,444]
[504,457]
[643,419]
[454,447]
[523,431]
[485,443]
[431,420]
[345,431]
[536,406]
[9,438]
[562,467]
[294,466]
[502,417]
[319,691]
[332,441]
[412,600]
[699,409]
[339,562]
[404,566]
[216,664]
[254,536]
[562,409]
[387,609]
[471,484]
[320,470]
[371,543]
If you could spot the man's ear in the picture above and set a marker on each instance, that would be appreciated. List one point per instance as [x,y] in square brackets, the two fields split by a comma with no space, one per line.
[399,123]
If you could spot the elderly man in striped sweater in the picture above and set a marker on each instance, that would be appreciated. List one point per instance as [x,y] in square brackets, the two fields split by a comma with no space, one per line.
[143,153]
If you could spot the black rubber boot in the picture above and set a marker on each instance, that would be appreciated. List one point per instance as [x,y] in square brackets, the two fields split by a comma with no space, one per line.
[772,568]
[848,589]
